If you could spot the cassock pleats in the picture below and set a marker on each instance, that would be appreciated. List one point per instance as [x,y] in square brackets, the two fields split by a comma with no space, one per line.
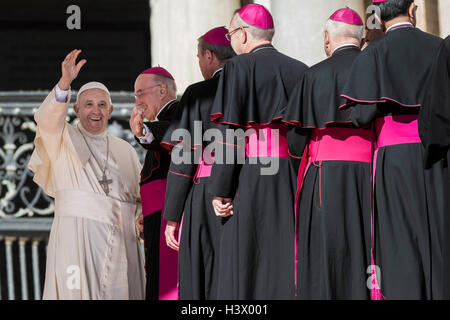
[257,242]
[187,197]
[434,130]
[334,202]
[387,81]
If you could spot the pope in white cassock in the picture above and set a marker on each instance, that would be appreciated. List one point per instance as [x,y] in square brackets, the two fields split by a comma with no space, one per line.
[93,250]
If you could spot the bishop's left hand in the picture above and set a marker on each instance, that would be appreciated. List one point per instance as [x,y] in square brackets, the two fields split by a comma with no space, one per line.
[223,207]
[171,234]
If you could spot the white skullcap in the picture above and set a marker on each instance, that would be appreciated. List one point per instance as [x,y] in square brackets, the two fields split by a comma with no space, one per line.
[94,85]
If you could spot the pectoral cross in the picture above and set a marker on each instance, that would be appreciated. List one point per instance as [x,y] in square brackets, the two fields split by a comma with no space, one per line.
[105,182]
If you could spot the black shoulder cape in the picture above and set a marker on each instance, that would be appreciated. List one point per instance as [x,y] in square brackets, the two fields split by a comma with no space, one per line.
[255,87]
[394,68]
[316,99]
[195,105]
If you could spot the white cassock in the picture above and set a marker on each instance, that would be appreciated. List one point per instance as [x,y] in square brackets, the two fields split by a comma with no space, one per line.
[93,249]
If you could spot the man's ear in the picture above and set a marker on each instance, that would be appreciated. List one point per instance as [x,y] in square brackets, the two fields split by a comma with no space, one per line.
[326,37]
[244,36]
[111,109]
[412,13]
[163,90]
[75,108]
[411,9]
[381,22]
[210,56]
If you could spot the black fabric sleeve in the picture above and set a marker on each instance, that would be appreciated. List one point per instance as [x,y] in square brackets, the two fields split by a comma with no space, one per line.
[434,115]
[362,115]
[297,139]
[225,172]
[179,182]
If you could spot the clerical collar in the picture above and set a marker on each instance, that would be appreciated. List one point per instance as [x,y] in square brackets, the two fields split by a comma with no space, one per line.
[168,103]
[216,72]
[400,25]
[262,47]
[90,135]
[345,46]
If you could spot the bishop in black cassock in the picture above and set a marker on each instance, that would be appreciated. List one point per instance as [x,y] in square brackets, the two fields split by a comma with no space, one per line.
[334,190]
[187,196]
[257,241]
[434,130]
[156,87]
[385,90]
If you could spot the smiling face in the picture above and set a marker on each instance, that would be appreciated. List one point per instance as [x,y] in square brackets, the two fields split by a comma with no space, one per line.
[149,95]
[94,109]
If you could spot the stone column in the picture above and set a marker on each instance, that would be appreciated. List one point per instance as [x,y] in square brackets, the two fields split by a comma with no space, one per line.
[299,26]
[175,26]
[444,17]
[421,14]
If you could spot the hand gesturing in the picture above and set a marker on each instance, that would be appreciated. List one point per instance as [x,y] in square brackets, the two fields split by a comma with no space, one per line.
[136,121]
[70,69]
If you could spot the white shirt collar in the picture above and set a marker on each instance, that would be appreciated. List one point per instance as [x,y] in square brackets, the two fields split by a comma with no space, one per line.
[156,118]
[399,24]
[345,45]
[216,72]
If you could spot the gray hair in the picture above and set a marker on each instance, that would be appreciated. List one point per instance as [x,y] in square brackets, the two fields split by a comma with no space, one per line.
[257,33]
[337,29]
[169,83]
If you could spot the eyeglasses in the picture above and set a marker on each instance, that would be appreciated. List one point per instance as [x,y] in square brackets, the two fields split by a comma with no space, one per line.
[229,34]
[141,93]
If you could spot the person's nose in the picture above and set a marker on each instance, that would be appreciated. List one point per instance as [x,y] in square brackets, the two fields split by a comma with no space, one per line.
[97,110]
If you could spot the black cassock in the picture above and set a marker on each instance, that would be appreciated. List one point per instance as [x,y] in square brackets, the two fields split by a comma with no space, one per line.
[187,195]
[434,130]
[334,200]
[257,242]
[387,83]
[153,178]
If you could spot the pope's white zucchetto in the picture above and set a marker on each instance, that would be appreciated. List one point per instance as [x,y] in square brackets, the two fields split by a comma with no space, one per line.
[94,85]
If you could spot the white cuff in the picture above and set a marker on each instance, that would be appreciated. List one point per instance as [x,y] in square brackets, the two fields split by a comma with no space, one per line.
[148,136]
[61,95]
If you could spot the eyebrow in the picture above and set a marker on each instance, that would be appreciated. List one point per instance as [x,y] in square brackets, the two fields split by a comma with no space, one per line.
[92,101]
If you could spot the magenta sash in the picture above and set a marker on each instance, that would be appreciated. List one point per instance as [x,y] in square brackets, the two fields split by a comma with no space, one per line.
[205,166]
[203,170]
[335,144]
[390,130]
[340,144]
[263,141]
[398,129]
[331,144]
[152,198]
